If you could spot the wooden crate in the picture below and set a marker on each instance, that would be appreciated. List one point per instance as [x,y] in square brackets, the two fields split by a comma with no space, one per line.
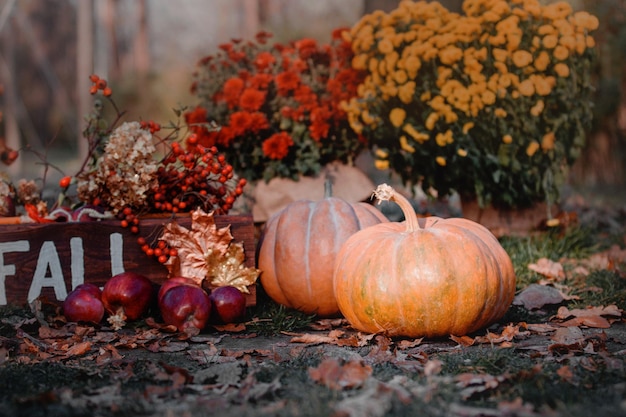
[51,259]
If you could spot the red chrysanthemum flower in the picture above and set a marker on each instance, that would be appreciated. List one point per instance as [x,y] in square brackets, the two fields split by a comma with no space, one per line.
[306,47]
[264,60]
[260,81]
[277,145]
[232,90]
[287,81]
[251,99]
[319,126]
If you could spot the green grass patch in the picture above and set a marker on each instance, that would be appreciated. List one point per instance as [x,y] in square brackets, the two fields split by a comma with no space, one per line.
[575,243]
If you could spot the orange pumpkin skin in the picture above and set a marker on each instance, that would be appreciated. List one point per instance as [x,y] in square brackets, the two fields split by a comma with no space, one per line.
[445,277]
[298,246]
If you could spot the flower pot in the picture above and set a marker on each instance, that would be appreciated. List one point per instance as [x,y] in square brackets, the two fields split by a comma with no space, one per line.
[51,259]
[507,221]
[349,183]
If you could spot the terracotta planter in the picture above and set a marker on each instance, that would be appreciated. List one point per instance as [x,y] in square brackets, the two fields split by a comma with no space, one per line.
[507,222]
[51,259]
[349,183]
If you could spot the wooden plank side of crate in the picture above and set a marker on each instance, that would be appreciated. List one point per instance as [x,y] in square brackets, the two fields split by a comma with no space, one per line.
[50,260]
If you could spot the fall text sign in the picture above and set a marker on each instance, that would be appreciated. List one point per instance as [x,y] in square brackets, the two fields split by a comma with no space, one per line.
[51,259]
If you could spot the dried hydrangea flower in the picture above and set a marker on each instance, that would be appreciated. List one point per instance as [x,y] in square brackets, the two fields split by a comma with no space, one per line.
[7,194]
[125,172]
[28,192]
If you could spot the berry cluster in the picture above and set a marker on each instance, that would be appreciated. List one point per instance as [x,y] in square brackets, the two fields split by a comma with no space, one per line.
[189,177]
[99,84]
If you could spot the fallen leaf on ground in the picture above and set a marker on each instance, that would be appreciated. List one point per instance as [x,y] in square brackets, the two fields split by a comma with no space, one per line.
[548,268]
[336,376]
[568,335]
[463,340]
[476,383]
[537,296]
[590,316]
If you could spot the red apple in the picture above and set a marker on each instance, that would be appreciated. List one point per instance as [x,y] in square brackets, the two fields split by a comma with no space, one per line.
[174,282]
[84,303]
[126,296]
[228,305]
[187,307]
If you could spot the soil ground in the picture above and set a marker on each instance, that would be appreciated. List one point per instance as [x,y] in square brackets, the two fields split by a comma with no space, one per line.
[530,363]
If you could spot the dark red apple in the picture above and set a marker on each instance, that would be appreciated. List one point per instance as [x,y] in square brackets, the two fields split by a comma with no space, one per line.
[84,303]
[228,305]
[187,307]
[174,282]
[126,296]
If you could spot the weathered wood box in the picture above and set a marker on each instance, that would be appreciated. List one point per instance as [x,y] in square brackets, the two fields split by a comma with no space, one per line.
[51,259]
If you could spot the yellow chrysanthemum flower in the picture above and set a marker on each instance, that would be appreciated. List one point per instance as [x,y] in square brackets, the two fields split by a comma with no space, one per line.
[547,142]
[461,152]
[500,112]
[381,153]
[445,138]
[550,41]
[404,144]
[522,58]
[562,70]
[560,52]
[397,116]
[385,46]
[406,92]
[532,148]
[381,164]
[537,109]
[508,139]
[441,161]
[467,127]
[526,88]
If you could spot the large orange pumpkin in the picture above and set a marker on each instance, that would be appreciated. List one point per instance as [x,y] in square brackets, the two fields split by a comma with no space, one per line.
[422,277]
[298,246]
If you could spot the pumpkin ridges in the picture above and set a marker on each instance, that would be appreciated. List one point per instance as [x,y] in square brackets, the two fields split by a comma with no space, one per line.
[447,277]
[267,264]
[304,250]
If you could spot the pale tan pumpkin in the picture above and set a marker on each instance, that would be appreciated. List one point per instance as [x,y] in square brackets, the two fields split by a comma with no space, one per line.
[298,246]
[423,277]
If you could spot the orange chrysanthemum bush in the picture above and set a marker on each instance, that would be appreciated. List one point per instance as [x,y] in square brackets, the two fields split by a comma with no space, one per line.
[493,103]
[277,105]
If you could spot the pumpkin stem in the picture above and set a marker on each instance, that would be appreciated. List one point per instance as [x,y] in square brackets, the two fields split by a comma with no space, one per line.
[328,186]
[385,192]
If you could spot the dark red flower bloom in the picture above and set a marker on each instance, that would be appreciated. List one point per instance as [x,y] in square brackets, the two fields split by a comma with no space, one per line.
[264,60]
[251,99]
[287,81]
[277,145]
[232,90]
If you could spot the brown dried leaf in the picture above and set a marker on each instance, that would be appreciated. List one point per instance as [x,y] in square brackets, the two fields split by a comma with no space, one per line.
[590,316]
[206,252]
[313,339]
[536,296]
[79,349]
[507,335]
[463,340]
[568,335]
[336,376]
[548,268]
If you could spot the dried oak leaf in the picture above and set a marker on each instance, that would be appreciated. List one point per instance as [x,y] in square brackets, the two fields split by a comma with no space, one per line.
[206,252]
[548,268]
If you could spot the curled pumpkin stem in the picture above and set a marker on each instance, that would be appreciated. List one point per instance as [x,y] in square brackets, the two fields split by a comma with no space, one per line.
[386,192]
